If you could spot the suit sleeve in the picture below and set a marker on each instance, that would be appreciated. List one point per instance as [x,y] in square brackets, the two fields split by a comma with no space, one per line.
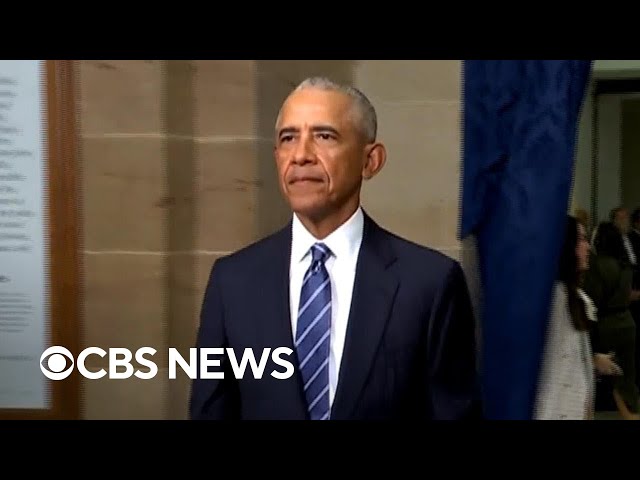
[213,399]
[452,385]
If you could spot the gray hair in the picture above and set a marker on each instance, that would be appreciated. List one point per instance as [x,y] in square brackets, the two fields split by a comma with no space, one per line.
[366,118]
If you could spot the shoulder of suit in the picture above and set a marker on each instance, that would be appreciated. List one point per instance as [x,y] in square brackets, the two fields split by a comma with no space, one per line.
[256,251]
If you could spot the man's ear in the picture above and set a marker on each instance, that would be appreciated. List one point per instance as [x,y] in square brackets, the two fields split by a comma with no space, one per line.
[376,159]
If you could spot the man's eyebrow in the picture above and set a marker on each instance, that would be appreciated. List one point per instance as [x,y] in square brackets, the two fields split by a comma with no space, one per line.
[325,128]
[284,130]
[315,128]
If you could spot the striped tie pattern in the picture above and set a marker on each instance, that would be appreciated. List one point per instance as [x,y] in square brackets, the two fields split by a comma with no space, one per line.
[313,333]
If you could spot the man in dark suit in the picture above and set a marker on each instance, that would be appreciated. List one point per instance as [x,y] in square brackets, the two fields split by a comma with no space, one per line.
[379,327]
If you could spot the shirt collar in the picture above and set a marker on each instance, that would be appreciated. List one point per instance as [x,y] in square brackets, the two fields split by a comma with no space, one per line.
[343,242]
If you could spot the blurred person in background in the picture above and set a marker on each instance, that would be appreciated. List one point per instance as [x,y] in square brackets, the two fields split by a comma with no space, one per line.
[566,389]
[609,283]
[625,225]
[620,218]
[582,216]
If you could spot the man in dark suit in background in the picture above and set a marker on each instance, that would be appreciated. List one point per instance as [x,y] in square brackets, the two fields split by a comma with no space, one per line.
[380,327]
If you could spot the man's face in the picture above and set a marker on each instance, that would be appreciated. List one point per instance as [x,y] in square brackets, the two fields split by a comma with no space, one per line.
[320,154]
[622,220]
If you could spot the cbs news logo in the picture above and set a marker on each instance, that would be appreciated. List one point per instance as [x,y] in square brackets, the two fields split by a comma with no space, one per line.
[57,363]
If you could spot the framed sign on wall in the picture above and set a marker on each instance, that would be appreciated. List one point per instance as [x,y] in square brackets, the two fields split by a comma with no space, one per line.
[39,238]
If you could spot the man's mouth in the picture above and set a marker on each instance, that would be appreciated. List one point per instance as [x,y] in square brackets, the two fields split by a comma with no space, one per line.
[305,179]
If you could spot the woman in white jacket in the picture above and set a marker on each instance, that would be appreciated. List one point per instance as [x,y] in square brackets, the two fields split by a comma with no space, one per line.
[566,389]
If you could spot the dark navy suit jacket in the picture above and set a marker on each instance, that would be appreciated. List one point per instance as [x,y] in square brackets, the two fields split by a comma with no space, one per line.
[410,349]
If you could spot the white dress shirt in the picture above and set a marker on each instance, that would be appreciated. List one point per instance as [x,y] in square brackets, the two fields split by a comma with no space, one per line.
[344,244]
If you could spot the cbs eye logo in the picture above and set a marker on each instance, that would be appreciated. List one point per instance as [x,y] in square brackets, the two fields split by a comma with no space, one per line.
[55,365]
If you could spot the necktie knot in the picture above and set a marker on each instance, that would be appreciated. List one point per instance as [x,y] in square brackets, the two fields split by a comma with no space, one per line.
[319,253]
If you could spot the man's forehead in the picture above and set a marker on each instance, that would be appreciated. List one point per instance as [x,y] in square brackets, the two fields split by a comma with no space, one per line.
[313,101]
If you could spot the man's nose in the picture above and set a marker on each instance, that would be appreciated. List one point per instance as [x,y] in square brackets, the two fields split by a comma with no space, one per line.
[304,152]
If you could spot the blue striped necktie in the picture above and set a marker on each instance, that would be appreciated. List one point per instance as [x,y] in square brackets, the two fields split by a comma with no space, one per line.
[313,333]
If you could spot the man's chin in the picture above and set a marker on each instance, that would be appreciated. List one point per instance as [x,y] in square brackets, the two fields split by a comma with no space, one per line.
[312,209]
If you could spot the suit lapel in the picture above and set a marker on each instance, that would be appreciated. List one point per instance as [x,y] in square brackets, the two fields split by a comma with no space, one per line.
[373,296]
[276,329]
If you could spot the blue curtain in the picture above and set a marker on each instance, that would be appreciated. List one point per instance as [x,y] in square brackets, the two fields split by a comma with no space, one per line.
[520,125]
